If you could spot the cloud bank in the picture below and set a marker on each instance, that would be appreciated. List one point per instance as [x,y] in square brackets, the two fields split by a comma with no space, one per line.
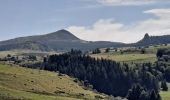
[127,2]
[110,30]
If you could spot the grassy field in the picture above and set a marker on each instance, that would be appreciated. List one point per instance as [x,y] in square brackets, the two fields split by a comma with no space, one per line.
[154,49]
[5,53]
[165,95]
[31,84]
[24,52]
[135,57]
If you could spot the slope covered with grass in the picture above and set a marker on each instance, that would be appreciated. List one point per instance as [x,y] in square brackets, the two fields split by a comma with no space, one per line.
[31,84]
[166,94]
[134,57]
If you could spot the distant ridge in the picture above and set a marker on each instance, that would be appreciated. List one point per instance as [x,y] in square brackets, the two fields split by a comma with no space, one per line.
[153,40]
[61,40]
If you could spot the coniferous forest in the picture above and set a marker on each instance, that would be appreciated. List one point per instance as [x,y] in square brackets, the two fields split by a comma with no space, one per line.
[133,81]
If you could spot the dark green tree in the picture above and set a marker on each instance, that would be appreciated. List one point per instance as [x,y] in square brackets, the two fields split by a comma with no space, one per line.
[143,51]
[160,52]
[143,95]
[164,85]
[96,51]
[135,92]
[107,50]
[154,95]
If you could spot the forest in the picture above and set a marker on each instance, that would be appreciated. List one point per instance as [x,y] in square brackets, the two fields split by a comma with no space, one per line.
[133,81]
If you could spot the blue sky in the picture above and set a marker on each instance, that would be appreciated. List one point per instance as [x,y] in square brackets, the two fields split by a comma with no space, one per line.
[108,20]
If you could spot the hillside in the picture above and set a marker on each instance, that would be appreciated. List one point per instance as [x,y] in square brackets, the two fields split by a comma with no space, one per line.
[61,40]
[30,84]
[26,45]
[153,40]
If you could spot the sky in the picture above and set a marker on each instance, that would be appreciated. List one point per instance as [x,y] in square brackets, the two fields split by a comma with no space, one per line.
[93,20]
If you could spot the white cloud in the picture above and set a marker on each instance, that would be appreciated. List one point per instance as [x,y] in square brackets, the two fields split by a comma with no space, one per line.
[110,30]
[159,12]
[127,2]
[101,30]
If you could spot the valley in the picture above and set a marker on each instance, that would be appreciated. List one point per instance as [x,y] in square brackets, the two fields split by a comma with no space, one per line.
[25,83]
[85,50]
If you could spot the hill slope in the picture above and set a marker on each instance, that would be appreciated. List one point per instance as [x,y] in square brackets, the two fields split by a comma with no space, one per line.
[59,40]
[153,40]
[63,40]
[30,84]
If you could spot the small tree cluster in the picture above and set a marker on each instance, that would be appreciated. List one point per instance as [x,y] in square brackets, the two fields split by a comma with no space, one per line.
[96,51]
[107,50]
[139,93]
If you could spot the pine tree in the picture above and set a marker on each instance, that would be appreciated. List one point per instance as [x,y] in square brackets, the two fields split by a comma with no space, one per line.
[154,96]
[143,95]
[164,85]
[135,92]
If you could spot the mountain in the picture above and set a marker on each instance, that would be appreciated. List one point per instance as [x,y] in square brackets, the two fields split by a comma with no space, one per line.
[63,40]
[59,40]
[153,40]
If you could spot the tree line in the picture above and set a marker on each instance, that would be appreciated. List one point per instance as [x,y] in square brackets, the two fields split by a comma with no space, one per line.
[133,81]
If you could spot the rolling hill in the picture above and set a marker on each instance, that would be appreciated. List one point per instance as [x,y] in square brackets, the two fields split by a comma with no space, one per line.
[17,83]
[63,40]
[59,40]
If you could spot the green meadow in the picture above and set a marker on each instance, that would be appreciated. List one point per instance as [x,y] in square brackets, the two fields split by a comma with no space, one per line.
[17,83]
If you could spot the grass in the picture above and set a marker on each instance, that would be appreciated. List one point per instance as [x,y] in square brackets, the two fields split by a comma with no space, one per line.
[24,52]
[31,84]
[165,94]
[154,49]
[135,57]
[12,94]
[5,53]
